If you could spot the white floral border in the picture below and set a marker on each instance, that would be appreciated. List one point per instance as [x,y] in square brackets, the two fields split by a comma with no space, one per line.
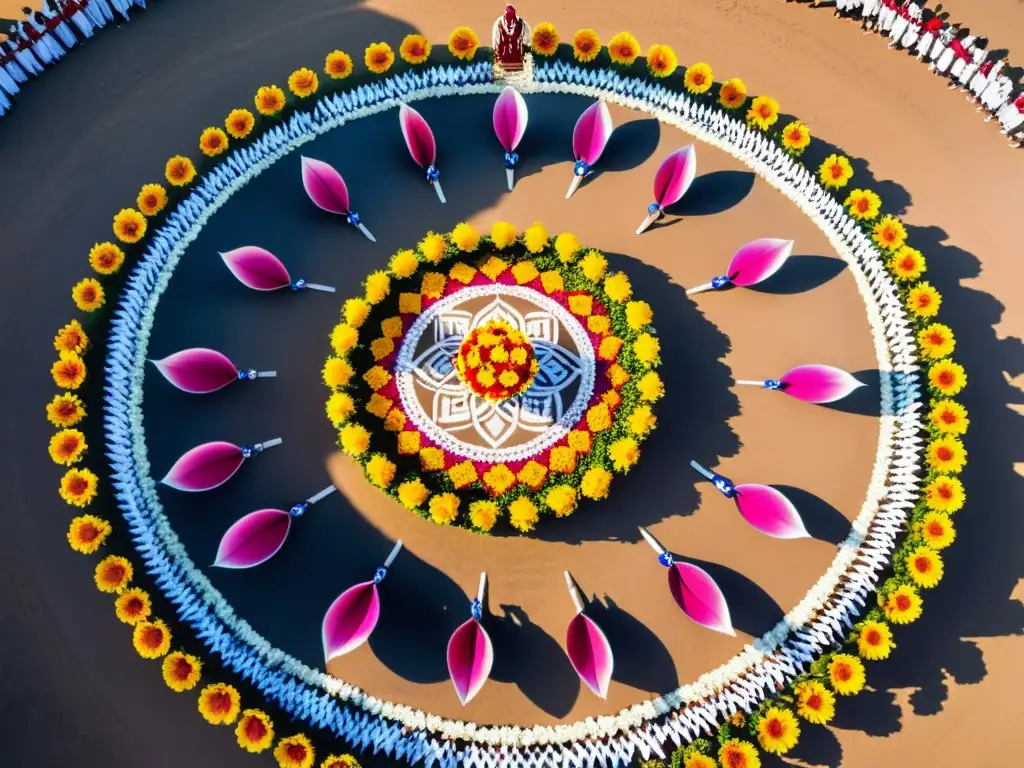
[414,409]
[814,626]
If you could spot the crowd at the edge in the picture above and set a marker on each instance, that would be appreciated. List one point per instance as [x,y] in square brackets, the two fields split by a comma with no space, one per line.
[43,37]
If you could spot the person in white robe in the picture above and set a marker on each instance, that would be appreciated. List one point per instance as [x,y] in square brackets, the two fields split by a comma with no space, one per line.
[62,29]
[54,49]
[869,13]
[996,95]
[985,76]
[930,28]
[75,12]
[1011,114]
[908,17]
[962,71]
[941,45]
[99,12]
[8,58]
[887,16]
[948,56]
[24,55]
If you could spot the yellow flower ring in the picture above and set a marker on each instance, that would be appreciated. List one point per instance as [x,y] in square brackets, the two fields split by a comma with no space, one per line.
[376,402]
[811,692]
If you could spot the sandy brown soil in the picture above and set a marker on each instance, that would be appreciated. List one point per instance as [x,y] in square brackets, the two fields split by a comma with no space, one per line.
[953,675]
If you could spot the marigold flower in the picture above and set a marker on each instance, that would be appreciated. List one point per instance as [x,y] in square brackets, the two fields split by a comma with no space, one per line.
[132,606]
[340,761]
[623,49]
[733,93]
[355,312]
[71,338]
[112,574]
[69,371]
[343,338]
[408,443]
[255,731]
[946,377]
[923,300]
[337,372]
[179,171]
[303,82]
[599,324]
[738,754]
[404,263]
[462,474]
[219,704]
[846,674]
[562,459]
[698,78]
[465,238]
[647,348]
[106,258]
[483,514]
[535,238]
[338,65]
[642,420]
[650,387]
[586,45]
[67,447]
[152,639]
[151,200]
[444,508]
[593,265]
[566,246]
[661,60]
[778,730]
[947,455]
[595,483]
[763,112]
[65,410]
[415,49]
[561,500]
[945,494]
[380,471]
[697,760]
[814,702]
[379,405]
[181,671]
[874,640]
[618,287]
[523,514]
[462,43]
[355,440]
[78,487]
[544,40]
[835,171]
[639,314]
[503,234]
[937,530]
[431,459]
[925,567]
[213,141]
[796,137]
[936,341]
[239,123]
[533,474]
[903,605]
[412,493]
[129,225]
[623,453]
[863,204]
[889,233]
[294,752]
[269,100]
[87,533]
[339,408]
[88,294]
[378,286]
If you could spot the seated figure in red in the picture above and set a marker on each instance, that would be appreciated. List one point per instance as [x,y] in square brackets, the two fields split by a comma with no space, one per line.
[510,39]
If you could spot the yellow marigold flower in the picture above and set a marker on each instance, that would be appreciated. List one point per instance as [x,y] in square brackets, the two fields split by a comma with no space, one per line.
[863,204]
[462,474]
[129,225]
[483,514]
[67,447]
[611,398]
[562,459]
[642,420]
[339,408]
[763,112]
[88,294]
[78,487]
[343,338]
[354,439]
[493,267]
[579,440]
[355,312]
[581,304]
[112,574]
[661,60]
[738,754]
[378,286]
[106,258]
[618,287]
[639,314]
[431,459]
[433,247]
[87,533]
[947,377]
[947,455]
[151,200]
[599,324]
[338,65]
[533,474]
[503,234]
[623,453]
[179,171]
[340,761]
[561,500]
[903,605]
[925,567]
[255,731]
[623,49]
[535,238]
[462,43]
[586,45]
[415,49]
[412,493]
[391,327]
[71,338]
[410,303]
[945,494]
[65,410]
[777,731]
[599,418]
[814,702]
[846,674]
[889,233]
[525,272]
[595,483]
[444,508]
[213,141]
[295,752]
[923,300]
[544,40]
[181,671]
[566,246]
[835,171]
[936,528]
[433,285]
[936,341]
[404,264]
[523,514]
[408,443]
[552,282]
[874,641]
[239,123]
[949,417]
[132,606]
[647,348]
[380,471]
[152,639]
[697,760]
[337,372]
[650,387]
[269,100]
[376,377]
[733,93]
[593,265]
[698,78]
[303,82]
[219,704]
[498,479]
[609,347]
[465,238]
[69,371]
[796,137]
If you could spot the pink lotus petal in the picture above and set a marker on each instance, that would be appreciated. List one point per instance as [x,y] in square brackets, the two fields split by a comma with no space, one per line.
[470,658]
[324,186]
[699,596]
[591,134]
[674,176]
[197,370]
[350,619]
[510,118]
[590,653]
[818,383]
[257,268]
[205,467]
[769,511]
[253,539]
[418,136]
[758,260]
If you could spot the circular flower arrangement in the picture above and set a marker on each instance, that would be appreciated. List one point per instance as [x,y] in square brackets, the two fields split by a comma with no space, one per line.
[534,387]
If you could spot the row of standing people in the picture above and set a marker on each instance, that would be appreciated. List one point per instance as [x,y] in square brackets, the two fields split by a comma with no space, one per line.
[45,36]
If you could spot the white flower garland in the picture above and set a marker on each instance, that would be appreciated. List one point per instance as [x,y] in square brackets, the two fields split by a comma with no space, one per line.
[817,624]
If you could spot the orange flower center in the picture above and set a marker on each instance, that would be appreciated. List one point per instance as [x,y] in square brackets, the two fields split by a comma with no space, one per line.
[922,564]
[585,46]
[129,227]
[836,170]
[814,701]
[152,637]
[776,728]
[735,759]
[296,752]
[219,702]
[213,141]
[948,417]
[304,81]
[935,528]
[182,669]
[903,602]
[178,170]
[908,263]
[77,486]
[339,66]
[698,78]
[936,337]
[944,453]
[114,573]
[133,606]
[87,532]
[765,111]
[544,39]
[924,300]
[68,445]
[416,48]
[380,58]
[946,378]
[863,205]
[67,409]
[873,637]
[842,672]
[945,491]
[795,135]
[72,340]
[255,729]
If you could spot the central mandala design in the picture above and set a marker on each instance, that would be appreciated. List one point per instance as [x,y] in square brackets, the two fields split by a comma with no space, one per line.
[496,361]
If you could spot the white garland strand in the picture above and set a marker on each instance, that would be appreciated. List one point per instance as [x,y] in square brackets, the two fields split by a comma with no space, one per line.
[816,625]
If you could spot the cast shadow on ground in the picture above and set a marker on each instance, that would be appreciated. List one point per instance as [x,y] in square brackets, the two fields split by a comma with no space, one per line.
[801,274]
[642,660]
[711,193]
[823,521]
[753,610]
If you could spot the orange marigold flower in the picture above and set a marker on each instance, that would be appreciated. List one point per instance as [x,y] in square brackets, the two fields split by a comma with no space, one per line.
[132,606]
[661,60]
[255,731]
[87,533]
[152,199]
[415,49]
[152,639]
[129,225]
[295,752]
[71,338]
[181,671]
[698,78]
[338,65]
[65,410]
[340,761]
[179,171]
[113,574]
[586,45]
[213,141]
[67,447]
[219,704]
[544,40]
[303,82]
[106,258]
[623,49]
[239,123]
[269,100]
[88,294]
[733,93]
[378,58]
[763,112]
[69,371]
[78,487]
[462,43]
